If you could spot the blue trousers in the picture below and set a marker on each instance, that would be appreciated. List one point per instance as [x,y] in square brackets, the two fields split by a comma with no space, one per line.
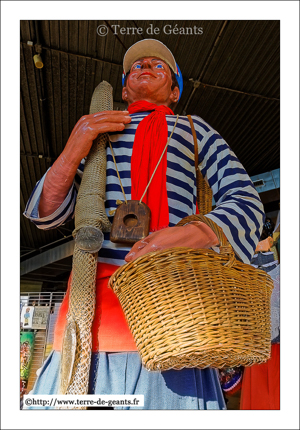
[123,373]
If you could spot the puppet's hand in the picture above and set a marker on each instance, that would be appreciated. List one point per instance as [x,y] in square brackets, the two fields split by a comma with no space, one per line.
[194,235]
[87,129]
[61,175]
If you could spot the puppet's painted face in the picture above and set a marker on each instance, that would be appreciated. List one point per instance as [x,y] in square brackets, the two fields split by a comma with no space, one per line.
[150,79]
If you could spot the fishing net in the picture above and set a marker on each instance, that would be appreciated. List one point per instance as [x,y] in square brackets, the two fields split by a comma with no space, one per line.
[90,222]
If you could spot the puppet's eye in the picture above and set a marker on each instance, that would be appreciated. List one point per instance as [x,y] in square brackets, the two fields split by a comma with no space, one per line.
[159,66]
[136,66]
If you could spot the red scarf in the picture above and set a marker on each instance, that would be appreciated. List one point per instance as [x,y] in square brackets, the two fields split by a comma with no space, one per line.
[150,140]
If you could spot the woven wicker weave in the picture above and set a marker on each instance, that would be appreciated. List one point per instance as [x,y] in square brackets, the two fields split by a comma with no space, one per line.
[204,192]
[196,308]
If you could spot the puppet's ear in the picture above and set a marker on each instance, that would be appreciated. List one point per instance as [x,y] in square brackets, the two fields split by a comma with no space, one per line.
[124,94]
[174,96]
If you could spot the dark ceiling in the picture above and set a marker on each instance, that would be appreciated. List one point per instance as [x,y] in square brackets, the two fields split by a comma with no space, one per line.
[231,73]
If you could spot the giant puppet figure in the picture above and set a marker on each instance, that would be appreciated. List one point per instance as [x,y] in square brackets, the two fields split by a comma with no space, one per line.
[152,85]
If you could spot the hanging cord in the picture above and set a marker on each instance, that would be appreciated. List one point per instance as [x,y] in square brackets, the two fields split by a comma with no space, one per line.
[113,155]
[159,160]
[112,152]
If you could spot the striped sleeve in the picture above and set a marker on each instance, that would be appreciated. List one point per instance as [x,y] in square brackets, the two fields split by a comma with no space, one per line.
[239,210]
[62,215]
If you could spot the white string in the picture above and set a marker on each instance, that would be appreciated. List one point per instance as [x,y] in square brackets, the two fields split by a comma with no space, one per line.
[113,155]
[154,169]
[159,160]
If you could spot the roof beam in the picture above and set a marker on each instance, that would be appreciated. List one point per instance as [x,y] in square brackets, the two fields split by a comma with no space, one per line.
[47,257]
[198,83]
[74,55]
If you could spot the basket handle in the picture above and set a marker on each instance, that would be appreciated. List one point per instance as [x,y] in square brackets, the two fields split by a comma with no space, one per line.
[204,192]
[204,200]
[224,245]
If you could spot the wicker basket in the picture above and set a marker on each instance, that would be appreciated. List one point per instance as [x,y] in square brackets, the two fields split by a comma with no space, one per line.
[196,308]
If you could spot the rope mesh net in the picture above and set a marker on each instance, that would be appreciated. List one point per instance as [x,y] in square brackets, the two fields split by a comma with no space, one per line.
[90,222]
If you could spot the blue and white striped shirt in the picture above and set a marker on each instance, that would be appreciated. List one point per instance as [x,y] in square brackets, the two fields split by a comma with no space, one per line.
[239,211]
